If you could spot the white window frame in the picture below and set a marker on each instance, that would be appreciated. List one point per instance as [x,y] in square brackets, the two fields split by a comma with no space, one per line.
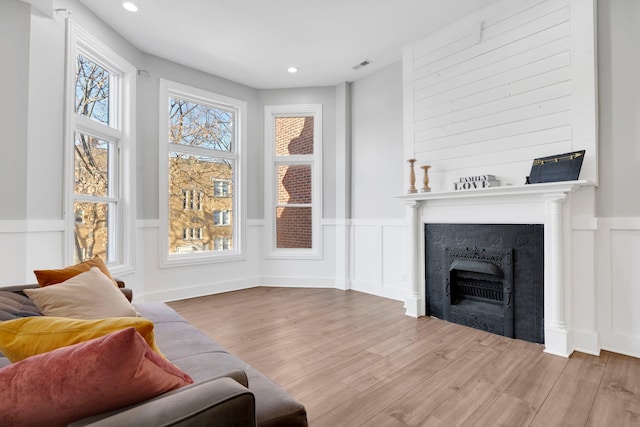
[271,112]
[171,88]
[122,130]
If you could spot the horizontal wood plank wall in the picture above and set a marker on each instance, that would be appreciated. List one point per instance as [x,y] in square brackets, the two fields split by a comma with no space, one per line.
[493,92]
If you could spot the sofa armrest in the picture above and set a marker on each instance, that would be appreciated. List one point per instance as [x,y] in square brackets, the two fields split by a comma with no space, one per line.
[128,293]
[220,402]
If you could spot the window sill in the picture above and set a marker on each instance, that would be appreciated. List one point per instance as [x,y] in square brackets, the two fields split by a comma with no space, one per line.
[198,259]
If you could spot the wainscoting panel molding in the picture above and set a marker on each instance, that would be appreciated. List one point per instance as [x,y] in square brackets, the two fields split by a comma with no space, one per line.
[379,257]
[619,287]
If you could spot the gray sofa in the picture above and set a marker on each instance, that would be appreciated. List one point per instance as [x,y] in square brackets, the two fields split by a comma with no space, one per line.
[226,392]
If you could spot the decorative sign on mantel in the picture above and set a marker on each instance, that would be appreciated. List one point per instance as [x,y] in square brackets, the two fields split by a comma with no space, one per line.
[475,182]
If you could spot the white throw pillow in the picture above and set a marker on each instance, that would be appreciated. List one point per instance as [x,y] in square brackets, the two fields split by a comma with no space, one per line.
[89,295]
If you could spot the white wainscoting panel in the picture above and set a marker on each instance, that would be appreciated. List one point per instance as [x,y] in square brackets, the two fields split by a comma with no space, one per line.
[394,242]
[379,254]
[583,292]
[619,290]
[29,245]
[304,272]
[13,251]
[189,281]
[625,280]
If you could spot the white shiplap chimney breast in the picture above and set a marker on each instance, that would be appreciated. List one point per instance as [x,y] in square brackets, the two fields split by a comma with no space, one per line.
[487,95]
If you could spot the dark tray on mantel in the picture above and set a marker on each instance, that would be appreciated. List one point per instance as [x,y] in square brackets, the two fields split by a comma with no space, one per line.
[561,167]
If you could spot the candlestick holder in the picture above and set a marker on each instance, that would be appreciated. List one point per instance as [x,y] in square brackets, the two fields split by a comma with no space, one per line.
[425,181]
[412,177]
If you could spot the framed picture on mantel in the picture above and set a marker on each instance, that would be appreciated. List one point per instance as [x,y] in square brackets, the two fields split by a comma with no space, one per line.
[561,167]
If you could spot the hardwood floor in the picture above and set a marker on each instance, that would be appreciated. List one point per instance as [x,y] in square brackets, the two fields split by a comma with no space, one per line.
[356,360]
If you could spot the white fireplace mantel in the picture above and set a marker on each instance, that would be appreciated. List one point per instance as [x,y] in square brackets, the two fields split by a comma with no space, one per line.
[556,205]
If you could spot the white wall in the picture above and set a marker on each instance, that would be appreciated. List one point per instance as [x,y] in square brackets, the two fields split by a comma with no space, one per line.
[32,228]
[617,203]
[619,96]
[14,45]
[378,234]
[377,160]
[31,233]
[14,84]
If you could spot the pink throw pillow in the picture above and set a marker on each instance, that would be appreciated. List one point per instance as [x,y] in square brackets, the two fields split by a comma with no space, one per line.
[70,383]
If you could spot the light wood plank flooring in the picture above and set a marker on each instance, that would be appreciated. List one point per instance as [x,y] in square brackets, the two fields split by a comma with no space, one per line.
[356,360]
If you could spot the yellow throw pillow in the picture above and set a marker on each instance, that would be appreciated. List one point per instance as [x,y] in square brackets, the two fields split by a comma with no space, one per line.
[28,336]
[51,277]
[89,295]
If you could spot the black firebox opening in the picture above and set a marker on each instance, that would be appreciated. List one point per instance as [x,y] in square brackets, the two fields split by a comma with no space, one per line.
[487,276]
[478,287]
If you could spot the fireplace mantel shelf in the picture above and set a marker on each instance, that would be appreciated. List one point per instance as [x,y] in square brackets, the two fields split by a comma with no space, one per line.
[507,190]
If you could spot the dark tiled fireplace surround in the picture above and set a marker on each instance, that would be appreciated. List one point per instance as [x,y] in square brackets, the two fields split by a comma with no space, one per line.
[487,276]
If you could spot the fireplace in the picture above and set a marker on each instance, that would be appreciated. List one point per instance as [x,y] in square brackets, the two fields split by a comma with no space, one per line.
[487,276]
[561,209]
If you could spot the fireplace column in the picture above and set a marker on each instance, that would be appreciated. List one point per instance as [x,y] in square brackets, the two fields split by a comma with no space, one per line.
[555,329]
[414,305]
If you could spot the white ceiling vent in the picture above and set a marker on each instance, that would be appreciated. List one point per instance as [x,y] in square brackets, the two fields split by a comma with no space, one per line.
[362,64]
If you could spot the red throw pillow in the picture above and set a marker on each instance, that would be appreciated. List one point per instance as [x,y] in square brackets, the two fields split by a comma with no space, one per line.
[71,383]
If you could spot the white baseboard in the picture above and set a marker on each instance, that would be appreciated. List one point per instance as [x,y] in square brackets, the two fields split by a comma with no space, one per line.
[298,282]
[199,290]
[377,290]
[586,342]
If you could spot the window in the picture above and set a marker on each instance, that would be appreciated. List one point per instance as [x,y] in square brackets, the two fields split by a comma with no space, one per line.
[192,233]
[221,243]
[293,179]
[221,218]
[201,134]
[221,187]
[192,200]
[100,153]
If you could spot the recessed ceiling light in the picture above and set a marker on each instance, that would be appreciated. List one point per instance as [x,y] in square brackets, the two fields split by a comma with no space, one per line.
[292,69]
[130,6]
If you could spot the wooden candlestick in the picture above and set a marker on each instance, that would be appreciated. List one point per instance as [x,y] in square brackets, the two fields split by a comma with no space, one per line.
[425,181]
[412,177]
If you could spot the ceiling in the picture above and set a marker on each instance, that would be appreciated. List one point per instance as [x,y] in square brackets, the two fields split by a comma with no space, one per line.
[253,42]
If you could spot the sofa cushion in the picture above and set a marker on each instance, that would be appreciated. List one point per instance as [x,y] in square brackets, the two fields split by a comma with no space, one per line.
[51,277]
[159,312]
[188,347]
[203,366]
[196,353]
[181,339]
[74,382]
[13,305]
[88,295]
[25,337]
